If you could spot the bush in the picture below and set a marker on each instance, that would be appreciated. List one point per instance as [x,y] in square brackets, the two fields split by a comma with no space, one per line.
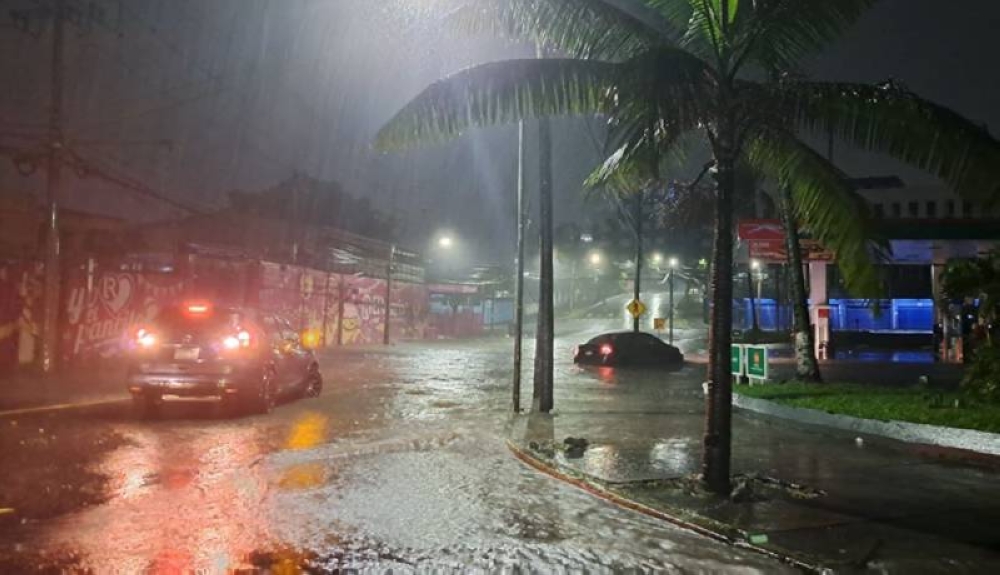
[982,376]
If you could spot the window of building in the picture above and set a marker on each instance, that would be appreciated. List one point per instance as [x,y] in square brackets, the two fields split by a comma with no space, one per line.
[897,210]
[879,210]
[967,209]
[931,209]
[951,208]
[913,209]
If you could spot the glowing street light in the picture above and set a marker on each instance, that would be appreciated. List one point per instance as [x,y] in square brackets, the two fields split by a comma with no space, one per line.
[673,263]
[445,242]
[657,259]
[595,258]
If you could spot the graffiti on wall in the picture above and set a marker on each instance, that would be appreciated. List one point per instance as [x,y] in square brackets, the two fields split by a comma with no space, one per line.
[100,313]
[364,311]
[20,298]
[410,311]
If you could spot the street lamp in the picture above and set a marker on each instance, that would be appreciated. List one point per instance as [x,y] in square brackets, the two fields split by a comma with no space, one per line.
[445,242]
[670,299]
[595,258]
[657,259]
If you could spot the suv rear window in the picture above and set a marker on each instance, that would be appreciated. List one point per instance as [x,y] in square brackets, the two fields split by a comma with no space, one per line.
[177,322]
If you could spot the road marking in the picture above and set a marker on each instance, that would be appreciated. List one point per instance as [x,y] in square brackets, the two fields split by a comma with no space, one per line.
[59,407]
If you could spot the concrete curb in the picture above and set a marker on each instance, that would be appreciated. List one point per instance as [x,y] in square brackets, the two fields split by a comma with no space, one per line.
[59,407]
[950,437]
[596,490]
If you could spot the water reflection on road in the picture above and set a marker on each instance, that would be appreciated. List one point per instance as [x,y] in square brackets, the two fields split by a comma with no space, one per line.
[400,465]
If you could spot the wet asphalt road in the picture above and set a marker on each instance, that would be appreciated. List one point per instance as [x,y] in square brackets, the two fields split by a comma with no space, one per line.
[400,465]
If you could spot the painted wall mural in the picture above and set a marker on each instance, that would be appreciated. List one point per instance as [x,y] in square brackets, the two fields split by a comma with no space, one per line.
[101,311]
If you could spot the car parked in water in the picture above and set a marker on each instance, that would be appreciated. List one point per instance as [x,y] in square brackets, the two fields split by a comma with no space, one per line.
[628,349]
[237,356]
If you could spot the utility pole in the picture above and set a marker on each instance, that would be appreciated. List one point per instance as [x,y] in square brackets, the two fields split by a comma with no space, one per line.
[670,300]
[519,269]
[637,216]
[388,292]
[50,318]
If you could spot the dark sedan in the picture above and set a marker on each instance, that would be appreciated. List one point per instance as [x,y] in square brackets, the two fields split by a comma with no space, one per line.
[628,349]
[236,356]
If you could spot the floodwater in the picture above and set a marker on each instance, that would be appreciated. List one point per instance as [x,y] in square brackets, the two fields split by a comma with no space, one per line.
[400,466]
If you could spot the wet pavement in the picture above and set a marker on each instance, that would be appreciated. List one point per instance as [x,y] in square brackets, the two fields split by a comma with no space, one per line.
[400,465]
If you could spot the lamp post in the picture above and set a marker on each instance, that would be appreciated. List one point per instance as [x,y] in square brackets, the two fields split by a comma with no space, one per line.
[670,299]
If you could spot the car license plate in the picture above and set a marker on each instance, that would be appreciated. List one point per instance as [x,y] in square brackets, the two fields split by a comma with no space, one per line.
[187,353]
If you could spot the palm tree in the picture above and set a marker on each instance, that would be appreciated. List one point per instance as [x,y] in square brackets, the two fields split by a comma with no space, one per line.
[806,365]
[673,67]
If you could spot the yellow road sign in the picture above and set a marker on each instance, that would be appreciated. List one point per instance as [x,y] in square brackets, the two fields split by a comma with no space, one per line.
[636,308]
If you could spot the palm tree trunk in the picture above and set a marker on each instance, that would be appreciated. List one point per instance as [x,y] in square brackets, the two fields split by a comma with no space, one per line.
[545,332]
[806,366]
[718,402]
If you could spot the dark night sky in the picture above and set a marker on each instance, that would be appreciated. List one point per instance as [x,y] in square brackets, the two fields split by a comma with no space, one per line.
[250,91]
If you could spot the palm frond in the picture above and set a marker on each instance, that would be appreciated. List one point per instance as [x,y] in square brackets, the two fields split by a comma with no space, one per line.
[825,203]
[889,119]
[501,92]
[778,34]
[585,29]
[700,22]
[634,166]
[660,88]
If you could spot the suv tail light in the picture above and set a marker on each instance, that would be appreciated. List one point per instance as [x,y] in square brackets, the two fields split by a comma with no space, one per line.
[145,338]
[239,340]
[606,349]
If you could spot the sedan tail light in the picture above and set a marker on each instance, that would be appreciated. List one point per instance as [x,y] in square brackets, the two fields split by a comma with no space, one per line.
[606,349]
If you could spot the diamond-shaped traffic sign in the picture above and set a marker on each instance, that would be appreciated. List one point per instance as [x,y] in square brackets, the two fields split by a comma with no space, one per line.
[636,308]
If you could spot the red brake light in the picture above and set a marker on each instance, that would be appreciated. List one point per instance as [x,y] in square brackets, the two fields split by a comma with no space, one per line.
[197,308]
[606,349]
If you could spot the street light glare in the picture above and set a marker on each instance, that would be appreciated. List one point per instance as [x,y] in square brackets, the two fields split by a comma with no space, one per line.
[657,258]
[755,264]
[595,258]
[445,242]
[673,262]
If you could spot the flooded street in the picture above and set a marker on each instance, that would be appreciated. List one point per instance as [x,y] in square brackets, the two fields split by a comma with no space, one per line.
[400,465]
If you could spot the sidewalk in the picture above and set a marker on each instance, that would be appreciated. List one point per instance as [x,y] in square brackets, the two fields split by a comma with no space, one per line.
[28,389]
[821,497]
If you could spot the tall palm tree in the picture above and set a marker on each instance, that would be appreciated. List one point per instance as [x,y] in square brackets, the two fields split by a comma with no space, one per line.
[806,364]
[671,67]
